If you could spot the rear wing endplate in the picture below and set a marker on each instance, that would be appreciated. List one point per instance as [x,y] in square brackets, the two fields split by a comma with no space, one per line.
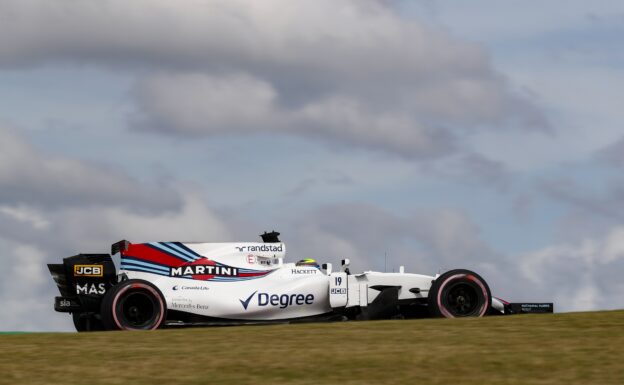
[119,247]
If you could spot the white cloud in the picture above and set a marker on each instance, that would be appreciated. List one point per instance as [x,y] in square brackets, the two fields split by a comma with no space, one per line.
[26,215]
[26,290]
[416,125]
[193,222]
[194,103]
[581,275]
[200,105]
[29,176]
[354,72]
[320,35]
[613,248]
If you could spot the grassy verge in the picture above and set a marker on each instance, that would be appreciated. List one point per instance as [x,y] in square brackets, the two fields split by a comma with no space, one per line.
[572,348]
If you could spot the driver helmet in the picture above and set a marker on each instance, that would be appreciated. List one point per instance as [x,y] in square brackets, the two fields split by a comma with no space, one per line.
[308,262]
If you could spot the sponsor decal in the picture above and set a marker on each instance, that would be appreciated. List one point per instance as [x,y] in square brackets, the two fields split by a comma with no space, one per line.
[253,259]
[304,271]
[269,248]
[183,287]
[205,269]
[182,306]
[88,270]
[90,288]
[266,261]
[245,303]
[188,306]
[181,299]
[535,306]
[281,301]
[200,269]
[66,304]
[337,290]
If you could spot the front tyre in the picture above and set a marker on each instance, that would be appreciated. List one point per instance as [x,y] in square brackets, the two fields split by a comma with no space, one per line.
[459,293]
[133,305]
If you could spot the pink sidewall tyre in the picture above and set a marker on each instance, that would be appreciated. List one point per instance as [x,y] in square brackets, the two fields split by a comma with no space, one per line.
[134,305]
[459,293]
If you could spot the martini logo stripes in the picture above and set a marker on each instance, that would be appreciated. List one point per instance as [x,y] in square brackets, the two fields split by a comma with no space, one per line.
[173,259]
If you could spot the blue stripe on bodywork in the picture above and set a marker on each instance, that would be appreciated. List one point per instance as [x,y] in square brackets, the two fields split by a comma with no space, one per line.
[130,259]
[154,266]
[188,250]
[170,251]
[184,250]
[142,269]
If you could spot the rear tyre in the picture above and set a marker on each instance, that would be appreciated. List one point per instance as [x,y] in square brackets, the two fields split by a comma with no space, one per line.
[87,323]
[459,293]
[133,305]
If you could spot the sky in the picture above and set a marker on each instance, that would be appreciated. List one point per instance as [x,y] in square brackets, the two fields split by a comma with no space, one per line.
[430,134]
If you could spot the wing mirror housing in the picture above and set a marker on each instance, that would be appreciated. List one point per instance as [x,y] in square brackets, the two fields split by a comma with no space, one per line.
[345,264]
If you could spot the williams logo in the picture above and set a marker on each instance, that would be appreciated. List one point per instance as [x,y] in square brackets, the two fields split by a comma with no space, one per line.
[88,270]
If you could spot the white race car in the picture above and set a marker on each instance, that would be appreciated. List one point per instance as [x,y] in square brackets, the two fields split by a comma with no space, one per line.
[166,284]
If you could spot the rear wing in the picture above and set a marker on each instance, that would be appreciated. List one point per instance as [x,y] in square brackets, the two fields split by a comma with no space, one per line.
[82,281]
[119,247]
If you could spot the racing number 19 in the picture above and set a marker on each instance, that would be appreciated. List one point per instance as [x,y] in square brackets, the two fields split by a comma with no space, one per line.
[338,281]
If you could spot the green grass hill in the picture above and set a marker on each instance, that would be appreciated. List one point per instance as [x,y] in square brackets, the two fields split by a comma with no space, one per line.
[568,348]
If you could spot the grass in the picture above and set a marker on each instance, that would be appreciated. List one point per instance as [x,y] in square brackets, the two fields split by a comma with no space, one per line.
[571,348]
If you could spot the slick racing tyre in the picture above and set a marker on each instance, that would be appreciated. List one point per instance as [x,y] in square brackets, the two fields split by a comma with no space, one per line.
[459,293]
[133,305]
[87,323]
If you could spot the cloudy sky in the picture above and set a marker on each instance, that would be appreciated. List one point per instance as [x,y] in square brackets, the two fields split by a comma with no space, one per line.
[443,134]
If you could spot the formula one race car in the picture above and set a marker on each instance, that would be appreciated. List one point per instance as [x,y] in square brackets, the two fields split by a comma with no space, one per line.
[167,284]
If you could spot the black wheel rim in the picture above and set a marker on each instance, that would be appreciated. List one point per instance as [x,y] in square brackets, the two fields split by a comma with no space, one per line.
[462,299]
[138,310]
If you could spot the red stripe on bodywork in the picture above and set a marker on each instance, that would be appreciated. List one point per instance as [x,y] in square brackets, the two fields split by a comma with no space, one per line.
[258,274]
[147,253]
